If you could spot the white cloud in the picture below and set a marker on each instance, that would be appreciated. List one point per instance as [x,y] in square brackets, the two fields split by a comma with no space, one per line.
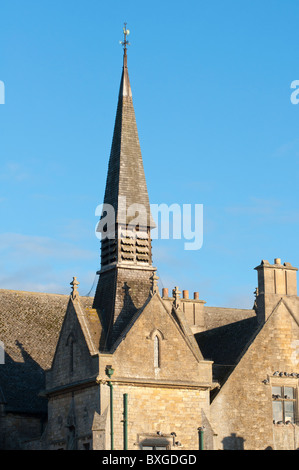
[43,264]
[268,211]
[255,206]
[76,229]
[289,149]
[13,171]
[19,246]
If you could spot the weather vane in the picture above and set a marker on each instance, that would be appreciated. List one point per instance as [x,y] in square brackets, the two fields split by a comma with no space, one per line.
[125,43]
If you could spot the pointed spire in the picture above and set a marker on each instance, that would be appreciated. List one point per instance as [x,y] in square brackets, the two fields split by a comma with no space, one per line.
[125,88]
[125,282]
[126,177]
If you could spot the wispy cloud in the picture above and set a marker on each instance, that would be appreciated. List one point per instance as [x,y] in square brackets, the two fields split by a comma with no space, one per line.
[288,149]
[76,229]
[44,278]
[14,172]
[19,246]
[42,264]
[256,206]
[36,279]
[267,210]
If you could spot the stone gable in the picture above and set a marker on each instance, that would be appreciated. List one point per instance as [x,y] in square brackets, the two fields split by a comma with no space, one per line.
[242,410]
[72,361]
[134,356]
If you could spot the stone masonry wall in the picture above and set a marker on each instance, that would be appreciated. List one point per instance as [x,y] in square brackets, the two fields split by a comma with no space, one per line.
[72,360]
[76,409]
[155,409]
[173,397]
[242,411]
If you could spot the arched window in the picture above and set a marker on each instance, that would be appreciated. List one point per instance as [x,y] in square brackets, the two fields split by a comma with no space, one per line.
[156,337]
[156,352]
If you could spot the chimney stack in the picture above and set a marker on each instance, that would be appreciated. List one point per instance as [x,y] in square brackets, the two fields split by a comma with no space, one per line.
[274,282]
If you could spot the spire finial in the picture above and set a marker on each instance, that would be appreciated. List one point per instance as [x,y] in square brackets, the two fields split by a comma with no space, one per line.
[74,285]
[125,43]
[154,279]
[176,294]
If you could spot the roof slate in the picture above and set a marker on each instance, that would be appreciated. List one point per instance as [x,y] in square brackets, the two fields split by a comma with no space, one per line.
[30,324]
[224,344]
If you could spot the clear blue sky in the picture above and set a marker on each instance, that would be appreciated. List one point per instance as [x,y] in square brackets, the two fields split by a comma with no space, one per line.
[211,89]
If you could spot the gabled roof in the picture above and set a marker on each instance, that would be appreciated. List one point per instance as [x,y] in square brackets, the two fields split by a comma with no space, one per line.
[30,323]
[224,344]
[273,328]
[216,317]
[90,325]
[176,316]
[227,332]
[227,344]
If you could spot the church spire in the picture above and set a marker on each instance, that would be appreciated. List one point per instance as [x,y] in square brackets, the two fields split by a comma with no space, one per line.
[126,189]
[126,179]
[126,259]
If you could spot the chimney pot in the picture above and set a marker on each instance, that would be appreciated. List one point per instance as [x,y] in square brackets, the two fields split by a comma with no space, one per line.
[164,292]
[196,295]
[185,294]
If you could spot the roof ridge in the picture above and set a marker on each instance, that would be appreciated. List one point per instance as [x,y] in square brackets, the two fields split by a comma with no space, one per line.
[40,293]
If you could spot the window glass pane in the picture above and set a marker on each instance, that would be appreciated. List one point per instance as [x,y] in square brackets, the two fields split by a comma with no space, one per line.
[277,411]
[161,448]
[147,448]
[156,352]
[289,411]
[276,391]
[288,393]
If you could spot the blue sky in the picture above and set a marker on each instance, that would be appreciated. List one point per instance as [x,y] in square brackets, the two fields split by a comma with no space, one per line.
[211,89]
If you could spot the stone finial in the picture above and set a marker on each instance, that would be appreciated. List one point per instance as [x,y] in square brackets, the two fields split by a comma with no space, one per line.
[154,279]
[74,285]
[176,294]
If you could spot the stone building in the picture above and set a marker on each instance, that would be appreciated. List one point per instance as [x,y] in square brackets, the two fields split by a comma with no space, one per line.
[133,368]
